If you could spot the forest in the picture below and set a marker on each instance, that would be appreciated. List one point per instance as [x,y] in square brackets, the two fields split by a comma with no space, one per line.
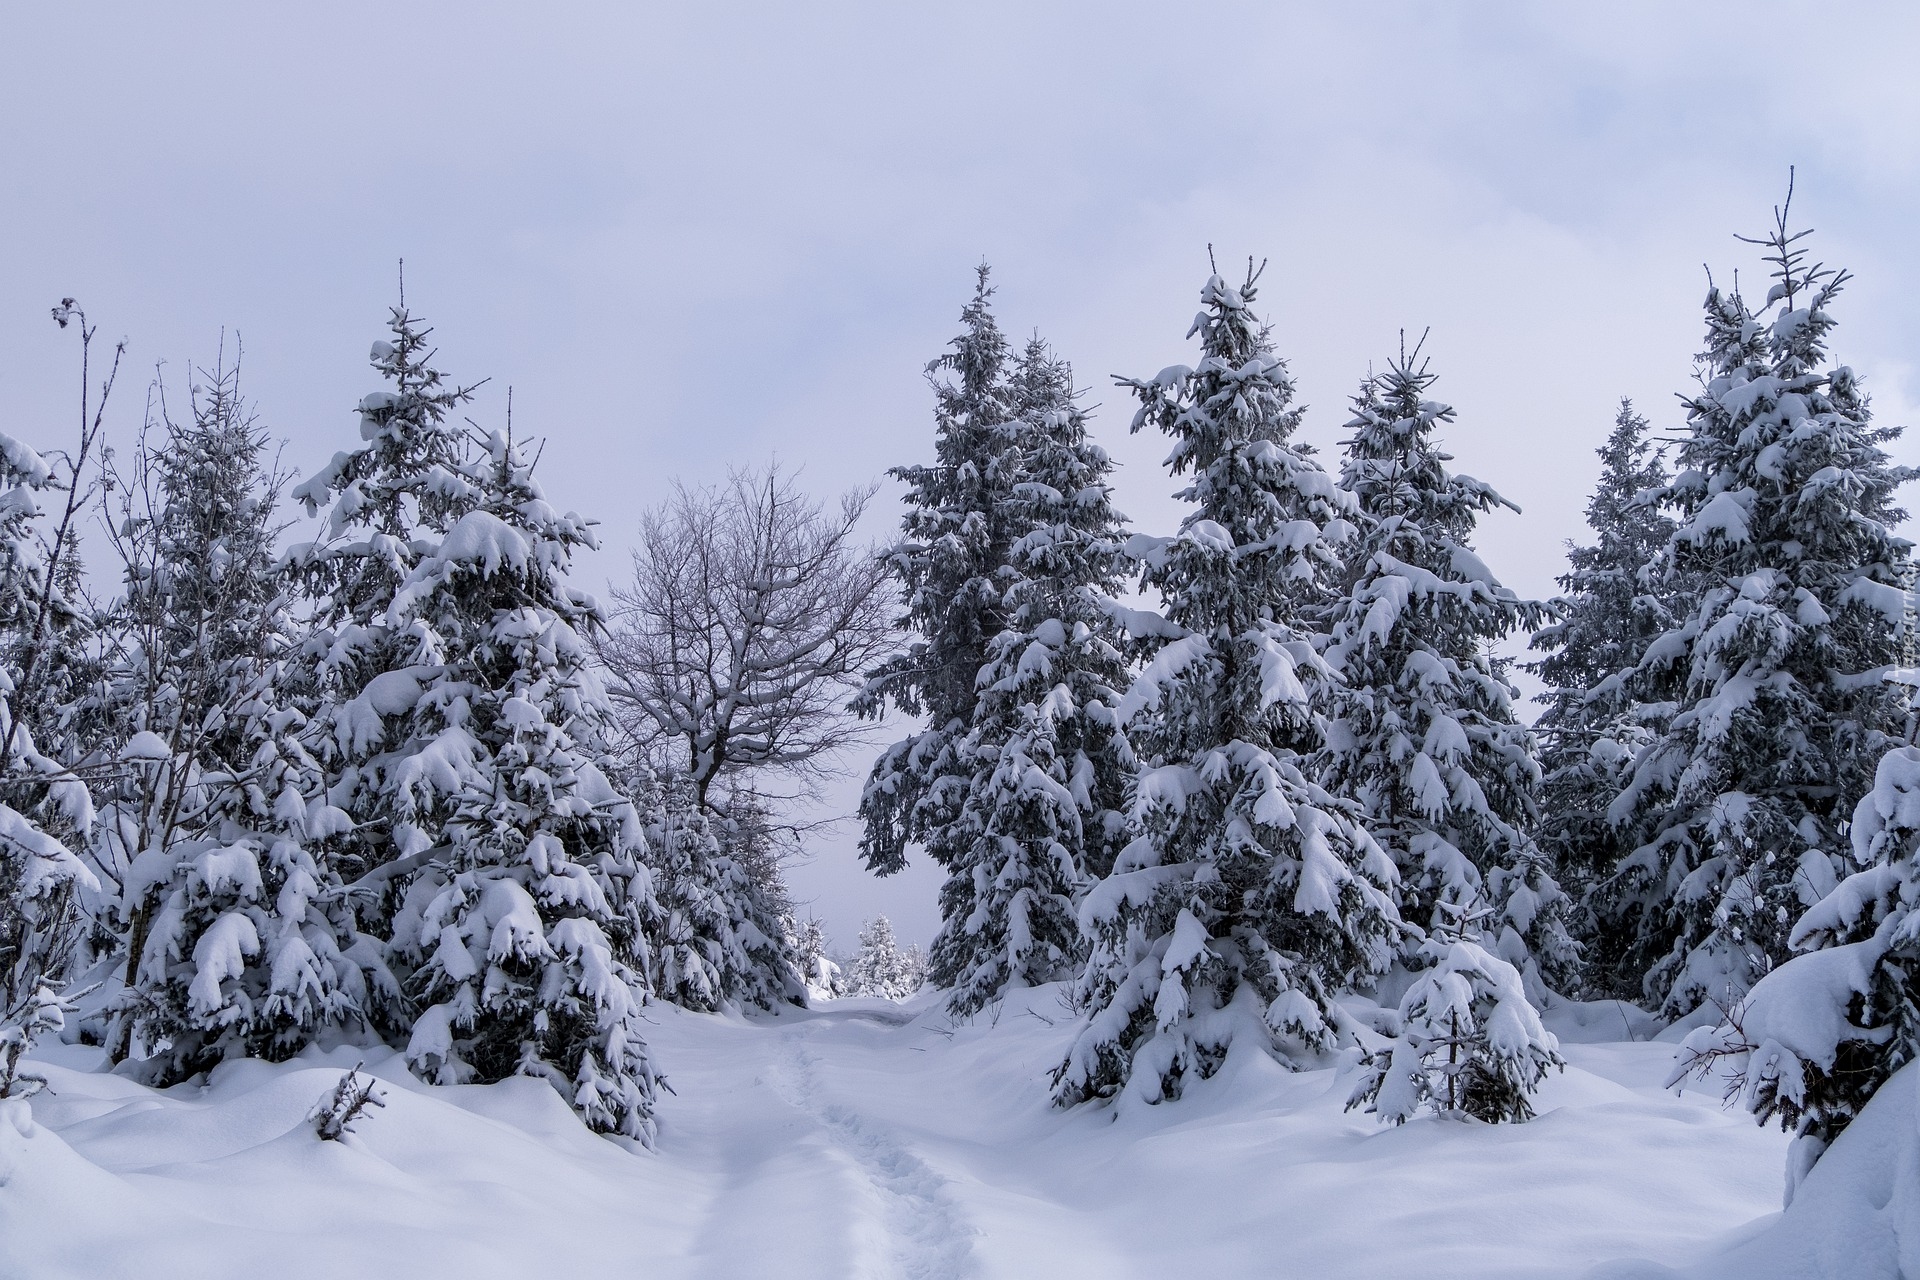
[353,762]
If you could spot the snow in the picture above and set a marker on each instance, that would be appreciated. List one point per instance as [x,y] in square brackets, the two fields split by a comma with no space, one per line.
[48,863]
[1167,665]
[229,869]
[1741,399]
[1891,809]
[24,462]
[1795,1016]
[219,955]
[478,538]
[441,766]
[482,538]
[1857,1214]
[146,745]
[1724,514]
[517,931]
[1279,685]
[395,693]
[869,1139]
[1210,535]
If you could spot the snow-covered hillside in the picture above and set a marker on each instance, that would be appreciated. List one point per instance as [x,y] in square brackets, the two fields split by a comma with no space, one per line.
[868,1139]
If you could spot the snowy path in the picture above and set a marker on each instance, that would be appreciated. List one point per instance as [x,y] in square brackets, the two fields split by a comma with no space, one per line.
[780,1193]
[866,1142]
[928,1235]
[807,1186]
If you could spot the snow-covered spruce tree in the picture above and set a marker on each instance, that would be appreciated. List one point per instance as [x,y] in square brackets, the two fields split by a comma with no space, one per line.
[1045,808]
[750,833]
[952,570]
[1252,896]
[1816,1037]
[1427,739]
[388,503]
[880,968]
[1607,617]
[692,946]
[1785,501]
[40,877]
[718,938]
[818,969]
[760,907]
[241,944]
[1613,607]
[531,944]
[466,730]
[759,904]
[44,808]
[1470,1042]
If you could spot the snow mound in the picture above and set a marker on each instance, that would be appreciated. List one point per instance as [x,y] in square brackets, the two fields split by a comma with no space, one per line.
[109,1180]
[1857,1214]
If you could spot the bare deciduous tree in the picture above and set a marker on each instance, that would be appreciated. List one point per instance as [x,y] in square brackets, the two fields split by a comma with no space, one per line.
[751,614]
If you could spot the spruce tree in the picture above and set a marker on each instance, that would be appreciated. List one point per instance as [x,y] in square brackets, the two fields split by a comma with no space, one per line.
[1427,739]
[387,504]
[243,945]
[1613,607]
[41,878]
[1607,617]
[718,939]
[1817,1037]
[465,732]
[691,942]
[759,907]
[1785,549]
[1044,811]
[1252,896]
[818,969]
[913,969]
[952,571]
[751,834]
[531,944]
[880,968]
[1470,1042]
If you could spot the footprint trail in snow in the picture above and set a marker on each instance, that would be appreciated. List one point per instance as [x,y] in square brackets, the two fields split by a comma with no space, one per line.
[930,1236]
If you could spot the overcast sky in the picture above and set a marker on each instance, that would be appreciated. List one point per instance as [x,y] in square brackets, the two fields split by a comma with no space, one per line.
[692,235]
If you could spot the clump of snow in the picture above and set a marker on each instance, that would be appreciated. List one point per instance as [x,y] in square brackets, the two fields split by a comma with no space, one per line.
[145,746]
[23,462]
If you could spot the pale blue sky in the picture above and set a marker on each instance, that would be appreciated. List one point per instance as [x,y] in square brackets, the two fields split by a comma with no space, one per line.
[694,234]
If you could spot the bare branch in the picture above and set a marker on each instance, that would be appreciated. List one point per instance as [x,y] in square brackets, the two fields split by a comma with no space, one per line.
[751,615]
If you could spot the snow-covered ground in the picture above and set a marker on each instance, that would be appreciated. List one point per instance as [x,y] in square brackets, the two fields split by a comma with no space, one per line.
[865,1138]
